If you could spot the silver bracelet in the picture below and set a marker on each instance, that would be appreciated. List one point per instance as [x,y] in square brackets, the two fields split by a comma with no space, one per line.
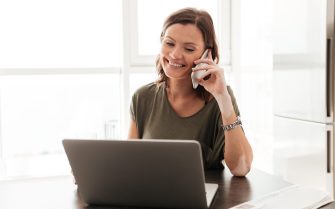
[229,127]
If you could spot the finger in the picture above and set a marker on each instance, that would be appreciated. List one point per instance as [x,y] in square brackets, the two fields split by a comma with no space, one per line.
[205,75]
[200,66]
[204,81]
[206,67]
[206,60]
[209,55]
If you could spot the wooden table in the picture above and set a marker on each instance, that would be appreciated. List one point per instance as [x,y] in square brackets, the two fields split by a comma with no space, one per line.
[61,193]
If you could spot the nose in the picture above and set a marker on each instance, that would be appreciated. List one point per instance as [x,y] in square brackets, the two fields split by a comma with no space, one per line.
[176,53]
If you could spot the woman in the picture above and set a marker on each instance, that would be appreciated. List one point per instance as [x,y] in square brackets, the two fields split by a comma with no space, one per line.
[171,108]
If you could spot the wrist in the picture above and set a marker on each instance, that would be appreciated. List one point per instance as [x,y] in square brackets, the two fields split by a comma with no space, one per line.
[230,126]
[226,107]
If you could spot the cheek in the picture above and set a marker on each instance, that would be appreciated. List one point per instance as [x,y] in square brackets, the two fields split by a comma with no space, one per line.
[163,51]
[190,61]
[163,54]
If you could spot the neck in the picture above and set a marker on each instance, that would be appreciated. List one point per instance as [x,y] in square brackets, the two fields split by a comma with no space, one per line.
[180,88]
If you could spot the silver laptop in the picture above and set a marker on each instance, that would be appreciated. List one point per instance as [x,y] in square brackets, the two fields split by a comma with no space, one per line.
[141,173]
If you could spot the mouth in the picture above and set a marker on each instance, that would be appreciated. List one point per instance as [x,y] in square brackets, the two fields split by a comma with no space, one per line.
[175,65]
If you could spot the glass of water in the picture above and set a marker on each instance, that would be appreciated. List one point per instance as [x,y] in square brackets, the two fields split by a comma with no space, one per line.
[112,129]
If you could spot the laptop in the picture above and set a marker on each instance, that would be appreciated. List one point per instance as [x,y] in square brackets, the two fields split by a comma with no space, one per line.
[140,173]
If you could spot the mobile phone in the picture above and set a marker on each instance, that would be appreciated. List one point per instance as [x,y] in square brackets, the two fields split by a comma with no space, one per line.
[198,74]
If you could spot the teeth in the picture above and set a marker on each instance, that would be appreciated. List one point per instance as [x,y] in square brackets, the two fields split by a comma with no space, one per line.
[175,64]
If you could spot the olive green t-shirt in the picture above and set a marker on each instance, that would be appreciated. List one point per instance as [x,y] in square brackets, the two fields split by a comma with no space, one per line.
[156,119]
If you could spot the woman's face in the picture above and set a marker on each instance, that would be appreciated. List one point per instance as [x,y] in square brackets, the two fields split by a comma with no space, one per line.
[181,46]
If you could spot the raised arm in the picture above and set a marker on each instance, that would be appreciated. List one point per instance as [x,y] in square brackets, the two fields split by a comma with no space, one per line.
[238,153]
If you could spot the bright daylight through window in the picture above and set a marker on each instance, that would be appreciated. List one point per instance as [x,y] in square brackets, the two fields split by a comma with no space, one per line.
[64,73]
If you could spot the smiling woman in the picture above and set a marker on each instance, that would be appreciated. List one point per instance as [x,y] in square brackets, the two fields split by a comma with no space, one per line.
[171,108]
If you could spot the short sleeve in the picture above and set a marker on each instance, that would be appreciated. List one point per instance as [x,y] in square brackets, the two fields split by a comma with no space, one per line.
[140,106]
[133,106]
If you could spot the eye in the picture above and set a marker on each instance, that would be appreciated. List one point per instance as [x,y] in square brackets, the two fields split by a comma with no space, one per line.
[189,49]
[169,43]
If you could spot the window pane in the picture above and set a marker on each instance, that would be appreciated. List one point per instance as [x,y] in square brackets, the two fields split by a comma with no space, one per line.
[149,34]
[136,80]
[256,29]
[62,33]
[38,111]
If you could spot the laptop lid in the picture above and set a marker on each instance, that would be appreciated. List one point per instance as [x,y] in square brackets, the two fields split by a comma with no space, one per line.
[142,173]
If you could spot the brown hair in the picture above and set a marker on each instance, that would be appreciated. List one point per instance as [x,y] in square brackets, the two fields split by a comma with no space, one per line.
[203,21]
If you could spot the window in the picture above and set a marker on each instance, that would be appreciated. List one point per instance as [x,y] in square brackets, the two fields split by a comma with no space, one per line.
[69,67]
[60,34]
[60,77]
[38,111]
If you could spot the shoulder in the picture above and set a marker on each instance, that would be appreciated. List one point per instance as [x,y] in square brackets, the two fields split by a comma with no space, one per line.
[148,89]
[230,90]
[146,93]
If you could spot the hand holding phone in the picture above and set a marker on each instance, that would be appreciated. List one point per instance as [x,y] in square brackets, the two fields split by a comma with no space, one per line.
[195,75]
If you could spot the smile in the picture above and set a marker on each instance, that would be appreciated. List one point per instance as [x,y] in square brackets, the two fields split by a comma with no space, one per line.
[175,64]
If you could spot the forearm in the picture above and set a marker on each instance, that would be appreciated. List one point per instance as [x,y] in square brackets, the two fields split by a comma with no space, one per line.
[238,152]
